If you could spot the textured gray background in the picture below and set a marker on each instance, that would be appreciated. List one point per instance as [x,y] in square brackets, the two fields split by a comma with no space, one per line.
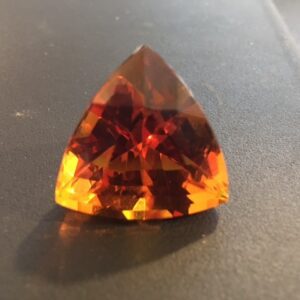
[241,63]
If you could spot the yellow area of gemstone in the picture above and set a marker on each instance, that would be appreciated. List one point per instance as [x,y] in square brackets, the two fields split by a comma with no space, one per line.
[143,149]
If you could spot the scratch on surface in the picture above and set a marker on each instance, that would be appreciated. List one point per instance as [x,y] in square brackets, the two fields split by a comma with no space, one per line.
[214,92]
[23,114]
[288,38]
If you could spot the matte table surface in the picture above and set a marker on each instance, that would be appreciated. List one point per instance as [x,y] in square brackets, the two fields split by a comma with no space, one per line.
[242,65]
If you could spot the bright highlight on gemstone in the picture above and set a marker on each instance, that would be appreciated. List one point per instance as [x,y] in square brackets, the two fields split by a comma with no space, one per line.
[143,149]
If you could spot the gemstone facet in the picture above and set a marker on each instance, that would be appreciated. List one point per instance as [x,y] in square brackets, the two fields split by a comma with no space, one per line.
[143,149]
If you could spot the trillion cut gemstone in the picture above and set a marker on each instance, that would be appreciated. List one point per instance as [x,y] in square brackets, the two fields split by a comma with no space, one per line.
[143,149]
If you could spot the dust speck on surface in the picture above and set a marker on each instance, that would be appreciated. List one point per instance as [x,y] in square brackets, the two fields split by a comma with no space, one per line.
[117,18]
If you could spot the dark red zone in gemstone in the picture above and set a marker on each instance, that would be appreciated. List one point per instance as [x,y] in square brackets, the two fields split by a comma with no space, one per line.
[123,124]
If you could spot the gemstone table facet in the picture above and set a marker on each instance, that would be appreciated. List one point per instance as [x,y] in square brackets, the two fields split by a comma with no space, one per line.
[143,149]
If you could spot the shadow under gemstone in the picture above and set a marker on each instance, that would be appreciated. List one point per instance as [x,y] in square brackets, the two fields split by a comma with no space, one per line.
[67,246]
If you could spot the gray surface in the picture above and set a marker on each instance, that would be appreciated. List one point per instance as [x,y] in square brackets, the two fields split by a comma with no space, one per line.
[235,56]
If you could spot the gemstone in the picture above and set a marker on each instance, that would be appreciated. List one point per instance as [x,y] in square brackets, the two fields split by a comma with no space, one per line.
[143,149]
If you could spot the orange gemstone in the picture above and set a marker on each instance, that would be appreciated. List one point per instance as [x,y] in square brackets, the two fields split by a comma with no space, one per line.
[143,149]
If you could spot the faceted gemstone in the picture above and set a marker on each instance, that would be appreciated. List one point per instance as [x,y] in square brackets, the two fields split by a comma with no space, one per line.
[143,149]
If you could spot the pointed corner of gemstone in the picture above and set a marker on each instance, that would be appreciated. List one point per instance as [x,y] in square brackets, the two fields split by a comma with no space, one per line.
[146,52]
[142,48]
[154,57]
